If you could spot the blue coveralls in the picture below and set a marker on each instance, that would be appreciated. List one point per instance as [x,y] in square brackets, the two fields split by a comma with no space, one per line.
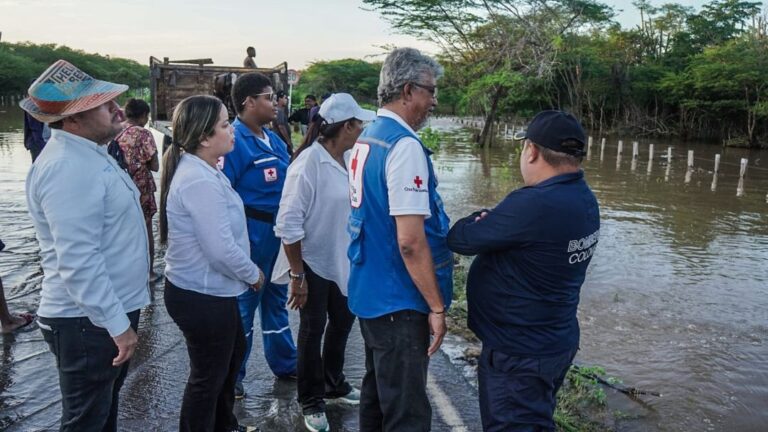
[257,174]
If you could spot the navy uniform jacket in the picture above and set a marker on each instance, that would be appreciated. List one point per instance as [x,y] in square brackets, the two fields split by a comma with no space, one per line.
[532,251]
[257,174]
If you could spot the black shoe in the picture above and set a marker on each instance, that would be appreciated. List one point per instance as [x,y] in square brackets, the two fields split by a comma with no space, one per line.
[239,390]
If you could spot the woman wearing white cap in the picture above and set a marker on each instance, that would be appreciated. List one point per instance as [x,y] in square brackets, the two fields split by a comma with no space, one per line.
[312,224]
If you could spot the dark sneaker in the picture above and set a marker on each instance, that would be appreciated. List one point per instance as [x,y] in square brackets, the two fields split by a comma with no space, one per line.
[239,390]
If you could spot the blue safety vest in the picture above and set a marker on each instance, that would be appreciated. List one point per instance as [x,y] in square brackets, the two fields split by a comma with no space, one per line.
[379,282]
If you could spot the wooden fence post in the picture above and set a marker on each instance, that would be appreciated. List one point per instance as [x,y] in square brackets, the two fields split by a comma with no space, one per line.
[650,157]
[742,173]
[602,149]
[635,153]
[689,167]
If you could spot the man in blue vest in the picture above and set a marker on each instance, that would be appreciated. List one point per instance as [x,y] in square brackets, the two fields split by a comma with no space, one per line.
[256,167]
[400,280]
[523,288]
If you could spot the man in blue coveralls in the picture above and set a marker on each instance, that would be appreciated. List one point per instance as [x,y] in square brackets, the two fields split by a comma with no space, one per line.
[523,287]
[400,281]
[256,168]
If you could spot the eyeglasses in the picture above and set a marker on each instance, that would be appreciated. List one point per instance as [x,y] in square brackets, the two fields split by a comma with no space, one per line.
[431,89]
[272,96]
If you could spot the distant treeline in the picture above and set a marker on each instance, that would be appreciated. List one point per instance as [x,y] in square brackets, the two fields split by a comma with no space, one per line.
[20,63]
[356,77]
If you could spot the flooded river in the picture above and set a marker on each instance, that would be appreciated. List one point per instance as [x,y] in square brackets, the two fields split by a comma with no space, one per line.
[676,299]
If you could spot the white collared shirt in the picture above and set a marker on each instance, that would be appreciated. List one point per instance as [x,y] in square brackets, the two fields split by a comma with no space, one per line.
[407,173]
[92,235]
[314,208]
[208,250]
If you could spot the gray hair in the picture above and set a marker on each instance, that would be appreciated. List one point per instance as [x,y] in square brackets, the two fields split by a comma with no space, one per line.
[403,66]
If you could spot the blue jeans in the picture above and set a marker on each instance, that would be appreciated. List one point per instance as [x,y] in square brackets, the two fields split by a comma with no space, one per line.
[518,394]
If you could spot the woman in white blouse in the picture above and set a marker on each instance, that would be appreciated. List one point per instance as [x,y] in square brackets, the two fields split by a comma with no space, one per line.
[208,261]
[312,224]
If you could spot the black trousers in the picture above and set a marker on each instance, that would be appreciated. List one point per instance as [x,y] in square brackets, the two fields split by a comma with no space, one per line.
[216,346]
[518,394]
[394,392]
[90,385]
[322,375]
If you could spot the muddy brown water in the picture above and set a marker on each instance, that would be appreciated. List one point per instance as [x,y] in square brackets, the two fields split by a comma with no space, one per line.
[676,299]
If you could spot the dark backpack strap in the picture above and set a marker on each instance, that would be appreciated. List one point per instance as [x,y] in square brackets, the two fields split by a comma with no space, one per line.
[116,152]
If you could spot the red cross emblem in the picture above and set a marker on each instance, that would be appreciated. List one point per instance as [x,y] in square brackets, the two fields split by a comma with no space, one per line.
[354,164]
[270,174]
[418,181]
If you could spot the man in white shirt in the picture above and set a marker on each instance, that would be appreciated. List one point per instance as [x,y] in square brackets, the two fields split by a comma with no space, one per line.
[400,280]
[93,244]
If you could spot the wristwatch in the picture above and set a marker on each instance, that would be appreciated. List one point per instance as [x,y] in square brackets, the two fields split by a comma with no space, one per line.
[296,276]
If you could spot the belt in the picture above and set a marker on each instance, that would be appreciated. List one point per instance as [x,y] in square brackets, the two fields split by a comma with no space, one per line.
[259,215]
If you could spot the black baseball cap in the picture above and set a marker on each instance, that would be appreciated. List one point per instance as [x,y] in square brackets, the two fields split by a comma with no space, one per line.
[551,128]
[280,94]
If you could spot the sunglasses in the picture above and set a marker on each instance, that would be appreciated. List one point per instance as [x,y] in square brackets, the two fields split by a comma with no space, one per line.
[432,90]
[272,96]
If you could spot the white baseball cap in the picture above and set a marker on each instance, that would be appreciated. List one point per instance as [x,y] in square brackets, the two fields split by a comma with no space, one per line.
[342,106]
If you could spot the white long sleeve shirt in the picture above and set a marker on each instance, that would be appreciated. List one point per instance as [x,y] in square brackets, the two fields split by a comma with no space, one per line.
[314,208]
[91,231]
[208,250]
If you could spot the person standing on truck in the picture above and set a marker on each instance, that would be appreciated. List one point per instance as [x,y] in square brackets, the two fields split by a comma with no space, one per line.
[249,61]
[257,168]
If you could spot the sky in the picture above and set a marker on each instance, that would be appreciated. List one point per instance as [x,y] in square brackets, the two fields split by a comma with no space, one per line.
[296,31]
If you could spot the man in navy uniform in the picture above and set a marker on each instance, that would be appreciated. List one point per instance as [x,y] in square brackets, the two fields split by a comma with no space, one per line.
[523,287]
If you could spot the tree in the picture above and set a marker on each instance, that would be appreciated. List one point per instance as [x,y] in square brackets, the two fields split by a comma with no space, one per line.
[356,77]
[496,41]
